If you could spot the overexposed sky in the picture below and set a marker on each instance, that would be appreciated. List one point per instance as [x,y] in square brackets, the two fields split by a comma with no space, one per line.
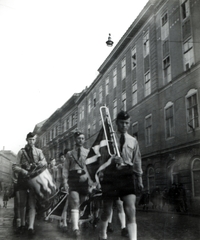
[49,50]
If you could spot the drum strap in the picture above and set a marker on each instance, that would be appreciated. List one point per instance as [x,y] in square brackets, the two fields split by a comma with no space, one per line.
[26,156]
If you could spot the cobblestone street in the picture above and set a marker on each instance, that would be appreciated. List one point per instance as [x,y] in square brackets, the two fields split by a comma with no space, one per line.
[152,225]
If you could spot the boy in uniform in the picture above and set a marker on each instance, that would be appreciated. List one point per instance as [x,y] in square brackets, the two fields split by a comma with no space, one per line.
[118,178]
[76,179]
[28,158]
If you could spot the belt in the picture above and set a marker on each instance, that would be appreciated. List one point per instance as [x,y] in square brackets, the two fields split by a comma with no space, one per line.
[78,171]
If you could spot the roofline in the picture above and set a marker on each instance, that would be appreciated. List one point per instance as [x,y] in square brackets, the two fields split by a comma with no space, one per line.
[129,34]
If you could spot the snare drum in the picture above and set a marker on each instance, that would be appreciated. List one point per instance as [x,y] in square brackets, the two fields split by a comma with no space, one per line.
[42,183]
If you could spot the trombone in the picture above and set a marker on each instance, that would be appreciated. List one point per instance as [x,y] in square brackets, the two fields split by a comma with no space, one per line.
[104,112]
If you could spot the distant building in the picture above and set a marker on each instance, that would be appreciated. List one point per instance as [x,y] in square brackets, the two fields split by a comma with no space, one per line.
[56,133]
[7,158]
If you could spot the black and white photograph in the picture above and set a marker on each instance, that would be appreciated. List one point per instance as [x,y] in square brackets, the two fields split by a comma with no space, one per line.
[100,119]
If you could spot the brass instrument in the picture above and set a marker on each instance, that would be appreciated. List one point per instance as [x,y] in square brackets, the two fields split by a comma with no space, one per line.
[105,115]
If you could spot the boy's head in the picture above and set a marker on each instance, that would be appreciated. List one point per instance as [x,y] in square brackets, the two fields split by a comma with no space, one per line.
[79,138]
[123,121]
[31,138]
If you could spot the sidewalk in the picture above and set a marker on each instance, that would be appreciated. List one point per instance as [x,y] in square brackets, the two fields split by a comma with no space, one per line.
[165,210]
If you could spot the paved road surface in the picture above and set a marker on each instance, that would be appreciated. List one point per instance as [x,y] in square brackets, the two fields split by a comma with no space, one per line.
[152,225]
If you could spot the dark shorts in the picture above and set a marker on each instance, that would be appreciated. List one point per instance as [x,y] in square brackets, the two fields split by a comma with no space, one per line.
[75,184]
[22,183]
[117,185]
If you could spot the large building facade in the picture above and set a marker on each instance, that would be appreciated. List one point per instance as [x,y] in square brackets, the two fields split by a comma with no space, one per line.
[154,73]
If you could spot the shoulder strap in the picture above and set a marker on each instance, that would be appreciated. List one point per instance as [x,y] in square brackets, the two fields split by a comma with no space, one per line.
[76,161]
[26,155]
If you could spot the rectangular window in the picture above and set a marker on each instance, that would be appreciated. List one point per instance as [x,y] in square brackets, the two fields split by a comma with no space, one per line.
[164,27]
[146,44]
[89,105]
[68,123]
[65,125]
[185,8]
[169,122]
[100,94]
[107,86]
[62,126]
[135,130]
[124,101]
[148,129]
[51,135]
[192,112]
[94,125]
[165,48]
[115,109]
[114,83]
[82,112]
[133,57]
[123,68]
[134,93]
[115,78]
[166,70]
[44,141]
[89,131]
[188,54]
[100,122]
[186,29]
[94,100]
[73,119]
[147,84]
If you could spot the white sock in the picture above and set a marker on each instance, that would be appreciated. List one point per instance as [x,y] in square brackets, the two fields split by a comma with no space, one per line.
[111,215]
[103,229]
[74,218]
[132,231]
[122,219]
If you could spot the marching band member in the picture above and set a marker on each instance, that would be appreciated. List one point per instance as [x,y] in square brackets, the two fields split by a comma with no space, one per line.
[118,178]
[59,182]
[76,179]
[27,157]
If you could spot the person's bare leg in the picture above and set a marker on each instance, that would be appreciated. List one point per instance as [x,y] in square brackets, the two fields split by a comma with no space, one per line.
[130,211]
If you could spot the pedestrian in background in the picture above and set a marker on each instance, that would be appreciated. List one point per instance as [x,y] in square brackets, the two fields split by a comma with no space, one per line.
[5,197]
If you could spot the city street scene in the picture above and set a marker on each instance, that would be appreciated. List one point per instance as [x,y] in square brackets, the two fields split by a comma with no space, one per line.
[100,126]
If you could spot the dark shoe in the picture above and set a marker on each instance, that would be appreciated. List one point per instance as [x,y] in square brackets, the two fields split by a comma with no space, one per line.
[100,238]
[76,233]
[65,229]
[95,222]
[110,228]
[31,232]
[124,232]
[20,230]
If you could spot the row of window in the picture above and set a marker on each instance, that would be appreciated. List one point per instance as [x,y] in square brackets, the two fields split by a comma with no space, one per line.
[66,124]
[192,116]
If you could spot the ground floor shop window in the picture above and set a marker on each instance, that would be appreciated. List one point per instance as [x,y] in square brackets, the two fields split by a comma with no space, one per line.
[151,179]
[196,177]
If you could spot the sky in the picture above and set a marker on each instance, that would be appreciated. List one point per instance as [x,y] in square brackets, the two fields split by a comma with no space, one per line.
[49,50]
